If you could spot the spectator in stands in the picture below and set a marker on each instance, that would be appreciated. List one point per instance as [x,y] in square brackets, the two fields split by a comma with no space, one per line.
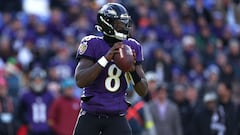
[196,74]
[226,70]
[189,52]
[194,103]
[204,38]
[233,56]
[56,23]
[199,10]
[152,84]
[174,34]
[7,110]
[7,6]
[149,45]
[230,10]
[6,50]
[64,110]
[209,120]
[192,96]
[162,64]
[179,97]
[165,113]
[227,73]
[34,104]
[188,24]
[25,56]
[227,36]
[209,54]
[179,77]
[54,88]
[218,24]
[14,78]
[211,75]
[62,63]
[138,115]
[231,110]
[169,10]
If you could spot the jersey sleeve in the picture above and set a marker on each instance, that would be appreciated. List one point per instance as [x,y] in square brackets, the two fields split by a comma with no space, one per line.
[139,52]
[86,49]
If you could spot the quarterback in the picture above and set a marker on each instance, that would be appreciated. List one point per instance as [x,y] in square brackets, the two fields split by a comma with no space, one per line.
[104,102]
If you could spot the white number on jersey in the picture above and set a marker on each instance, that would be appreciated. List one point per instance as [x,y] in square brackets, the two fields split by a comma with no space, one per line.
[112,82]
[39,111]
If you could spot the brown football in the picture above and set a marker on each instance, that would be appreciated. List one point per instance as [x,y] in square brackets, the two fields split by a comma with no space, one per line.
[125,59]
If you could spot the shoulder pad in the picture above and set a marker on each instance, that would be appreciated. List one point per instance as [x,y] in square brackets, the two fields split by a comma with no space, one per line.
[86,42]
[133,40]
[89,38]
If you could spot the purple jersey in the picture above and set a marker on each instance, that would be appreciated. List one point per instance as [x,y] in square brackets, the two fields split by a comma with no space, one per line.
[35,110]
[107,93]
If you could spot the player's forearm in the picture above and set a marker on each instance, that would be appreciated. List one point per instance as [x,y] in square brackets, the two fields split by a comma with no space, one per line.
[140,83]
[85,77]
[141,87]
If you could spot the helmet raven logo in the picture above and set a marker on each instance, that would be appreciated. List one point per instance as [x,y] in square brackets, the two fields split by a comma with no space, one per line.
[112,12]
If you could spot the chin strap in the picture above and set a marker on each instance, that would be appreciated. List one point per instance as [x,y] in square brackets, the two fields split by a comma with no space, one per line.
[120,36]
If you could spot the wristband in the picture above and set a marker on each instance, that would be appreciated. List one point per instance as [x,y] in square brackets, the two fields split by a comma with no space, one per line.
[102,61]
[135,77]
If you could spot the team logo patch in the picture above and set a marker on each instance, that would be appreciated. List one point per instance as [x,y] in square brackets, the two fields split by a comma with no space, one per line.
[82,48]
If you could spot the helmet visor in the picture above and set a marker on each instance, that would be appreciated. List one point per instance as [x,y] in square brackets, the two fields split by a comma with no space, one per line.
[122,25]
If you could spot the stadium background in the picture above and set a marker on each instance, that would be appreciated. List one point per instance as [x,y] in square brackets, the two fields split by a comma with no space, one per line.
[188,44]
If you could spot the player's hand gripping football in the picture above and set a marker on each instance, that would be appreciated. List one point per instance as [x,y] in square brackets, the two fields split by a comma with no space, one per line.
[133,65]
[123,56]
[114,50]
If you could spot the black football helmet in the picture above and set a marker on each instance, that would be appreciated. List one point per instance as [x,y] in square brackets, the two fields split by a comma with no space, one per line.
[113,21]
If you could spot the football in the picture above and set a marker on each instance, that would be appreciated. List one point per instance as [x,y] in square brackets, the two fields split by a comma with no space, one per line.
[124,59]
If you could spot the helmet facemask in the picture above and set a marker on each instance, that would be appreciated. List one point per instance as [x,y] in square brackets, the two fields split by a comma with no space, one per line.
[118,28]
[122,26]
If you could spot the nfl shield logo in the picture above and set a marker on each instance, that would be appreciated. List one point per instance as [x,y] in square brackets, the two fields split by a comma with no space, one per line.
[82,48]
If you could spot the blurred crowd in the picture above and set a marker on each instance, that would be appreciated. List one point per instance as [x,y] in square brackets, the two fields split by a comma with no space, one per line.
[192,64]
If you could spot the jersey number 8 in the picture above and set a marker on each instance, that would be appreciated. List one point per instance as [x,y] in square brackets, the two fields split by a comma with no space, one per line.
[112,82]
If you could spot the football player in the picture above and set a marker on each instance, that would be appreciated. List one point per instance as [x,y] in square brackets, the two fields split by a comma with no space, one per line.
[103,100]
[34,104]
